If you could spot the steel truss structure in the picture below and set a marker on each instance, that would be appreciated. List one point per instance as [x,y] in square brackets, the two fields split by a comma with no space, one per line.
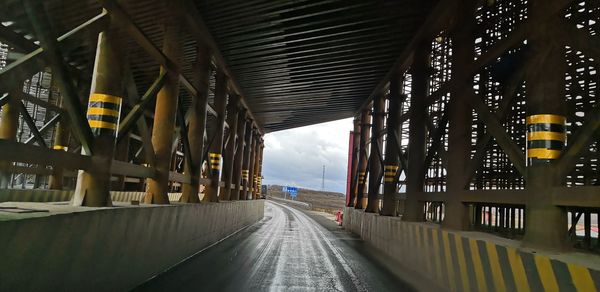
[488,119]
[498,128]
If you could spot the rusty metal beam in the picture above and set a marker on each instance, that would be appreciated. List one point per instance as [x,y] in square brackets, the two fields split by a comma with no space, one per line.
[42,27]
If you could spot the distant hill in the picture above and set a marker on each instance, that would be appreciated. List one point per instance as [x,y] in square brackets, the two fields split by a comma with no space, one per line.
[320,200]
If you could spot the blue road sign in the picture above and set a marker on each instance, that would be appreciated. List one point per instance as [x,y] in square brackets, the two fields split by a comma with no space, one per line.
[292,191]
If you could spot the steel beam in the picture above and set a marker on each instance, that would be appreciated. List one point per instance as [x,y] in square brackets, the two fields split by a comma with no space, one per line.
[42,27]
[460,116]
[417,133]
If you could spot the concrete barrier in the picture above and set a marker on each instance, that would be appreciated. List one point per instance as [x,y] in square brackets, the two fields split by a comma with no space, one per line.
[66,248]
[474,261]
[25,195]
[43,195]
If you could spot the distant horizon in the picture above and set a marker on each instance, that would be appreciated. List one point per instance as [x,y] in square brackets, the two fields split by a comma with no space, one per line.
[295,157]
[303,188]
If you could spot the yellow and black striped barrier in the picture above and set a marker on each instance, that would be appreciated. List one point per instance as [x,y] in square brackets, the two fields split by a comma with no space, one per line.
[467,261]
[390,173]
[215,161]
[546,137]
[103,113]
[468,264]
[245,174]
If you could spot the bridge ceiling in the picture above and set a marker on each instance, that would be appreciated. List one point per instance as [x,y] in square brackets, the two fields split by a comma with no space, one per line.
[298,62]
[310,61]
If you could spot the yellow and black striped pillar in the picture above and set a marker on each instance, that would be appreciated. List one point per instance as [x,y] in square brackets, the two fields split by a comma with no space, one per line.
[363,157]
[390,173]
[104,107]
[245,177]
[246,161]
[362,179]
[215,162]
[211,193]
[103,114]
[546,137]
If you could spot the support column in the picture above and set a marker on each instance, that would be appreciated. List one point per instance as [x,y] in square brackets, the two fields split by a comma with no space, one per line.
[246,162]
[121,154]
[163,130]
[211,194]
[232,121]
[376,154]
[61,137]
[392,159]
[256,181]
[546,224]
[239,155]
[260,163]
[252,173]
[460,117]
[354,166]
[417,132]
[104,109]
[197,126]
[365,120]
[8,129]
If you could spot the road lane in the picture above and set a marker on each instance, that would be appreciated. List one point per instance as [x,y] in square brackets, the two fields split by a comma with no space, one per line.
[286,251]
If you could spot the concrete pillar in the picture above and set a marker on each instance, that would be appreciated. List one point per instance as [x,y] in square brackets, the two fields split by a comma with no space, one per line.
[417,134]
[365,120]
[239,155]
[354,165]
[163,130]
[376,154]
[260,165]
[546,224]
[246,163]
[103,113]
[228,159]
[211,194]
[197,126]
[8,129]
[460,118]
[392,159]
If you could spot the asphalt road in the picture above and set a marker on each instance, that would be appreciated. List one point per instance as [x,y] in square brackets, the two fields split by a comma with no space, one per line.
[289,250]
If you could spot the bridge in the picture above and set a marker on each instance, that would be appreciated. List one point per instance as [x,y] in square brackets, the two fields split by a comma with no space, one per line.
[132,139]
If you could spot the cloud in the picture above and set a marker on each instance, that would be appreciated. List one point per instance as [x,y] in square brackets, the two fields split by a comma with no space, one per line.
[296,157]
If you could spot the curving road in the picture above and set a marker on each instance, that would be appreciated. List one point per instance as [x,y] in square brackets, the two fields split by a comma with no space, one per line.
[289,250]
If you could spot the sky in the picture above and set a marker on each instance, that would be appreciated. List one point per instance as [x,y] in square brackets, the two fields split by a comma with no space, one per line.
[296,157]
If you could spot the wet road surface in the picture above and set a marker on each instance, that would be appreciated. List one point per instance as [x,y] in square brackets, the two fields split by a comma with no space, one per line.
[289,250]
